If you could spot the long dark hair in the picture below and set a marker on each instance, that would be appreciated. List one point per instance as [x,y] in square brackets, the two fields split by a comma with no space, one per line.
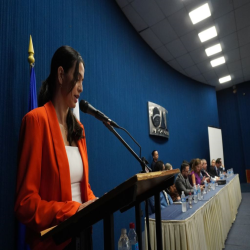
[196,162]
[65,57]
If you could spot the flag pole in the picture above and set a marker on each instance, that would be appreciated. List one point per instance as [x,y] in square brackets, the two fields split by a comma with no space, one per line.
[33,93]
[21,244]
[31,53]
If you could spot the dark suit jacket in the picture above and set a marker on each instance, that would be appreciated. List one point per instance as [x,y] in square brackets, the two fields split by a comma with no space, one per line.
[153,165]
[213,172]
[204,173]
[220,170]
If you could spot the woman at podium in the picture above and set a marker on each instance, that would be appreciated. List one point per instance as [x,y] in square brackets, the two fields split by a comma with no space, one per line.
[52,180]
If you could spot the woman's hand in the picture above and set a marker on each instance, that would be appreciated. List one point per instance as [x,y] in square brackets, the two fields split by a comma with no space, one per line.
[85,204]
[207,179]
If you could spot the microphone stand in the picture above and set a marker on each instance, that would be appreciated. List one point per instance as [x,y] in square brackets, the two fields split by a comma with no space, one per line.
[145,169]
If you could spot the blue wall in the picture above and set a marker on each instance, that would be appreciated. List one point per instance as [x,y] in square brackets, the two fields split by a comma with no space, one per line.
[234,117]
[122,75]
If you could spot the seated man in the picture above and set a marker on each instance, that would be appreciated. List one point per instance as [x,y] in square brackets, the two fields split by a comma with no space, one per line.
[182,183]
[155,159]
[205,173]
[219,166]
[159,166]
[204,168]
[165,198]
[168,166]
[213,163]
[214,170]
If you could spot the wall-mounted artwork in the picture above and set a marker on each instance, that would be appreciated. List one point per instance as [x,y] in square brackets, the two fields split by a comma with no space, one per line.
[158,123]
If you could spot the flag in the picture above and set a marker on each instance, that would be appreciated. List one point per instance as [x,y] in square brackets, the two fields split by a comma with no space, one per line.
[33,94]
[21,245]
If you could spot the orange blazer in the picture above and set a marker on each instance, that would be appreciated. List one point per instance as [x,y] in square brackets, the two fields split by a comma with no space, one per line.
[43,181]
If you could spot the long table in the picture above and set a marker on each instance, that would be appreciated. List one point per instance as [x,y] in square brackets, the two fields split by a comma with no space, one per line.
[205,226]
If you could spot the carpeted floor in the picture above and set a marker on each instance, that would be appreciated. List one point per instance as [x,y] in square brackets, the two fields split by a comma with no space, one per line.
[245,187]
[239,235]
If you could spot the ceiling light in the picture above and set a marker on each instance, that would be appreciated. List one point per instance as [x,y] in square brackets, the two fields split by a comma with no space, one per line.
[213,50]
[225,79]
[207,34]
[200,13]
[218,61]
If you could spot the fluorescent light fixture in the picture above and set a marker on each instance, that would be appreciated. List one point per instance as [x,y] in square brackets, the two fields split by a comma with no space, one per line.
[218,61]
[225,79]
[213,50]
[200,13]
[207,34]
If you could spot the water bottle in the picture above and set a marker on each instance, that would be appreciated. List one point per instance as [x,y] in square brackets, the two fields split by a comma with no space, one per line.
[190,197]
[199,192]
[123,243]
[184,202]
[195,194]
[221,176]
[213,185]
[132,236]
[205,189]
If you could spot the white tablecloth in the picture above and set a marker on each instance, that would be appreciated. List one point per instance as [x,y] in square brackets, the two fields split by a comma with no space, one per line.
[206,228]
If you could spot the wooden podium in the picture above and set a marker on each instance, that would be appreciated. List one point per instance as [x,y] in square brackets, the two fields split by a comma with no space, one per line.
[128,194]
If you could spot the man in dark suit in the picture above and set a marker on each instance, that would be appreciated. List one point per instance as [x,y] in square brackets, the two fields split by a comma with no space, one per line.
[204,168]
[205,173]
[213,162]
[155,159]
[215,170]
[219,166]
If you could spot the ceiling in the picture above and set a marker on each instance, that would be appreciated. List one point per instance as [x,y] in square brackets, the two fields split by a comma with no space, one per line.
[166,27]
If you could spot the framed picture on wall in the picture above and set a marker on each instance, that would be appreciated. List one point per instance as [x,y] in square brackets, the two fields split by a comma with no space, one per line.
[158,122]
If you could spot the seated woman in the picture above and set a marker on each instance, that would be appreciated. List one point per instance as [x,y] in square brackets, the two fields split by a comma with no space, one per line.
[195,175]
[165,198]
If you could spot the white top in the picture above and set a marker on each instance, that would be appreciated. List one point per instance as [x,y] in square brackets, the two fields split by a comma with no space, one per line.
[76,172]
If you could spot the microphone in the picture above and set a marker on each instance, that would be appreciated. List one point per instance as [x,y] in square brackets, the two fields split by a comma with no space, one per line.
[89,109]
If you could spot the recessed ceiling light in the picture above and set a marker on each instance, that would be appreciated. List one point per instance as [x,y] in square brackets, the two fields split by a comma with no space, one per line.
[200,13]
[213,49]
[218,61]
[207,34]
[225,79]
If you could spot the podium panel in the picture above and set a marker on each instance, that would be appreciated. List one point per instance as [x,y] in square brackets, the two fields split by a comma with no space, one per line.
[128,194]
